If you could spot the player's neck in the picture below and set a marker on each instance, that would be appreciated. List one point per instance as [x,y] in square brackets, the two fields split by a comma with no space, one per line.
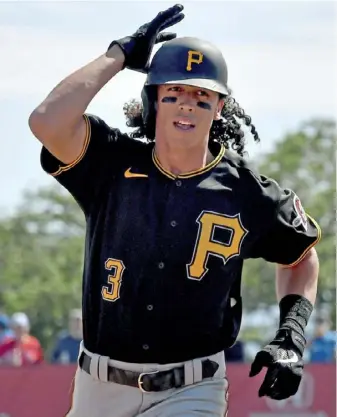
[182,160]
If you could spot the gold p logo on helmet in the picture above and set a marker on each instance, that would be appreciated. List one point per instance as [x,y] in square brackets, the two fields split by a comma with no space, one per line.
[194,57]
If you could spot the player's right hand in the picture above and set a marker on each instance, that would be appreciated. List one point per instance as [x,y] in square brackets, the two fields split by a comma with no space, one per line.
[137,48]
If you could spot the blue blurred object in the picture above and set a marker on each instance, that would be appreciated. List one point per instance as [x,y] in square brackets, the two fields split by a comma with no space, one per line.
[5,330]
[66,349]
[323,349]
[235,353]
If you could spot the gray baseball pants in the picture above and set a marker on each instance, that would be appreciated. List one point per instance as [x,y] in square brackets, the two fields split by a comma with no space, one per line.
[95,397]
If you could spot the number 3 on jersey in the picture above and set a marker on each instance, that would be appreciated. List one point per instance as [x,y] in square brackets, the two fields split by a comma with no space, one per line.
[111,293]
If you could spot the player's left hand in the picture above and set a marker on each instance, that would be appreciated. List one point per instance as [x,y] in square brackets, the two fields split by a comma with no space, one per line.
[283,360]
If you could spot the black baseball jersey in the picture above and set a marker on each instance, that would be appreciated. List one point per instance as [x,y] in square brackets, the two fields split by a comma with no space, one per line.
[164,253]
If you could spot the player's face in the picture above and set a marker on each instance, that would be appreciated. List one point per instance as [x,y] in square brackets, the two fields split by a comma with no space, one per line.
[185,114]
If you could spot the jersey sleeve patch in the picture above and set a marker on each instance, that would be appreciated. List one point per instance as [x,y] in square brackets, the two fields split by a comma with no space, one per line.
[310,246]
[289,237]
[301,218]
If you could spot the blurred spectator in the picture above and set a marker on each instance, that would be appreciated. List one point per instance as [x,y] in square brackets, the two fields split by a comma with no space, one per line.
[5,330]
[235,353]
[21,348]
[322,347]
[67,347]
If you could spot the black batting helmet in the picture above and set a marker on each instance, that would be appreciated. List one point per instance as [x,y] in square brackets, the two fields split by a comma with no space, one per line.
[186,60]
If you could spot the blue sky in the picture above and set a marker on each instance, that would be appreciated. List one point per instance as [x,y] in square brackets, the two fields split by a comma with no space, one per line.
[281,58]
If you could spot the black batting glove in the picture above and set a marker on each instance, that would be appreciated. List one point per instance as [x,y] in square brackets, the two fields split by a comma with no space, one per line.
[283,356]
[137,48]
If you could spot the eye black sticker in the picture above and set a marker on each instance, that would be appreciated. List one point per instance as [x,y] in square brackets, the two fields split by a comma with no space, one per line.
[204,105]
[169,99]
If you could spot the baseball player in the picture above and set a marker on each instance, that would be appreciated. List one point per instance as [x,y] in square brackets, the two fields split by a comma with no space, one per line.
[170,221]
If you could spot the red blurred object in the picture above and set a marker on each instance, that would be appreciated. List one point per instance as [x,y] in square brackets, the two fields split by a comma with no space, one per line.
[26,351]
[45,390]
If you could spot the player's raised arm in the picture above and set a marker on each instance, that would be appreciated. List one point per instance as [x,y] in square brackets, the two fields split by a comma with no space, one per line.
[58,121]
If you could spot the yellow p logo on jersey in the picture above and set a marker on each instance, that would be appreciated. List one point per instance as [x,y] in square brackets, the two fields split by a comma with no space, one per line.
[194,57]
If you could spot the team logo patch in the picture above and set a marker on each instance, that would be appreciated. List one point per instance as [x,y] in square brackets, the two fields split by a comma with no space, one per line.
[301,218]
[194,57]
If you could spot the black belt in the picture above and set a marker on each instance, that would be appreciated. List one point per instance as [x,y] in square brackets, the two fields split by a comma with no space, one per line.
[151,381]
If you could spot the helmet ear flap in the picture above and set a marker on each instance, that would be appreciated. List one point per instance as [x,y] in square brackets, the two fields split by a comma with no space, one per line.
[149,100]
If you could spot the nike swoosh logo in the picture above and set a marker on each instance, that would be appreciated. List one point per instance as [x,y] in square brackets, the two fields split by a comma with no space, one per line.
[129,174]
[293,359]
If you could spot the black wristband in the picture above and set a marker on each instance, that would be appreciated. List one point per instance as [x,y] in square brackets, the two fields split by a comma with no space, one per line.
[295,311]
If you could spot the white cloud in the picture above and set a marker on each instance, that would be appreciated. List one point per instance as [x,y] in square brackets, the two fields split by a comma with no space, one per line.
[39,59]
[284,78]
[264,76]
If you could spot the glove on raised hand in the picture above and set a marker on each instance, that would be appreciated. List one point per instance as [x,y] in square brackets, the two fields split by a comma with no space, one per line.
[137,48]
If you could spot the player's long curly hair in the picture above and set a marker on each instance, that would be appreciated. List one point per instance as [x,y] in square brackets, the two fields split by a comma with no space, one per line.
[228,130]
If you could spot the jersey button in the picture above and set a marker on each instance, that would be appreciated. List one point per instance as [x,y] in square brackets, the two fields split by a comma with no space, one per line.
[178,183]
[146,347]
[150,307]
[173,223]
[161,265]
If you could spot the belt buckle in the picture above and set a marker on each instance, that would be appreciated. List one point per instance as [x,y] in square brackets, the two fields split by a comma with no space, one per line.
[140,379]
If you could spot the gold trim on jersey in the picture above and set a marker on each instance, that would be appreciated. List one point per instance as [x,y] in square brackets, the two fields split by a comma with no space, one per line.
[319,235]
[192,173]
[83,152]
